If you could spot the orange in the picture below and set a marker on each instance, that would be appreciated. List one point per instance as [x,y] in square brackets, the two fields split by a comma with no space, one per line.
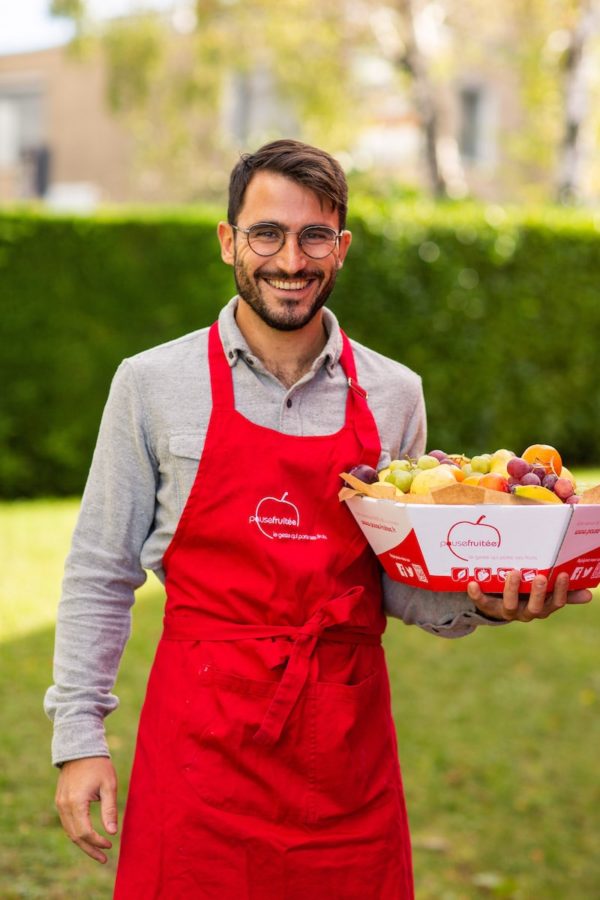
[458,473]
[543,455]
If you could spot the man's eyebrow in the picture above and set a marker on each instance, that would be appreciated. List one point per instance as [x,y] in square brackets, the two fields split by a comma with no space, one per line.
[284,227]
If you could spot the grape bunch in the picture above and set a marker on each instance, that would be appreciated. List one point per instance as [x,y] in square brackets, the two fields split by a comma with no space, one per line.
[524,473]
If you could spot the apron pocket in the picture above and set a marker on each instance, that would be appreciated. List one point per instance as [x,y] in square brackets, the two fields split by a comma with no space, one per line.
[356,758]
[223,763]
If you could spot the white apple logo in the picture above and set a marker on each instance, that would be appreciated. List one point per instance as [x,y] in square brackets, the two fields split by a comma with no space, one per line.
[275,515]
[472,538]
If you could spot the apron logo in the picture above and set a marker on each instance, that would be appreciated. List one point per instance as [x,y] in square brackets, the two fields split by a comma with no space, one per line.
[279,518]
[276,517]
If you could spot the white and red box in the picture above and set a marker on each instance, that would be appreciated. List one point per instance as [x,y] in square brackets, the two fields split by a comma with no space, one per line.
[441,547]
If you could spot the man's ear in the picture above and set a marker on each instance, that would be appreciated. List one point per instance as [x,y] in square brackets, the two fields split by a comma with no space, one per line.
[226,236]
[344,246]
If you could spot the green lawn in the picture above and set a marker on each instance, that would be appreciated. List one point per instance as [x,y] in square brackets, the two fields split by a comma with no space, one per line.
[499,735]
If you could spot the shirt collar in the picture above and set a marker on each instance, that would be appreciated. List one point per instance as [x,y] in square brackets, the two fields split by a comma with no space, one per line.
[234,343]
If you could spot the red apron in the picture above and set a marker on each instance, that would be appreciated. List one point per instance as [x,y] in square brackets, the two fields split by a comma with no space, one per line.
[266,764]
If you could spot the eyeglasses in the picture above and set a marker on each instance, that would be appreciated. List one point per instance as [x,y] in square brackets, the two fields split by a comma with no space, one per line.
[267,239]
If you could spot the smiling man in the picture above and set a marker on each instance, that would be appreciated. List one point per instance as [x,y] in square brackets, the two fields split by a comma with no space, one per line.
[266,763]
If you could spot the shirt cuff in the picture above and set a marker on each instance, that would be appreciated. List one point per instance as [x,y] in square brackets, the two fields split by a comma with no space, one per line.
[78,738]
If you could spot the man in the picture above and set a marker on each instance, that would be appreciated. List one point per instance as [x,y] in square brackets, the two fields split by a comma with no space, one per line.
[266,763]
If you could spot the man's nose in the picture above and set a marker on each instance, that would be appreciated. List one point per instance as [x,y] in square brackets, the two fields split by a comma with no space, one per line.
[291,256]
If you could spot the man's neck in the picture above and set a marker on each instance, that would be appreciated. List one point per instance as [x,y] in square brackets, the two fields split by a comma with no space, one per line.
[286,354]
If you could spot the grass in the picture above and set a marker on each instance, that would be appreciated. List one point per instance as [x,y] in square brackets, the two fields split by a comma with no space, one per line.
[498,737]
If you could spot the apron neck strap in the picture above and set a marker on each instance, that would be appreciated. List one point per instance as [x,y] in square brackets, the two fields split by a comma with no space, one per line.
[221,380]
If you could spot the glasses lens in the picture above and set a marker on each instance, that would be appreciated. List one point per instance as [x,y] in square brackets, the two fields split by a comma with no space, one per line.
[265,239]
[318,241]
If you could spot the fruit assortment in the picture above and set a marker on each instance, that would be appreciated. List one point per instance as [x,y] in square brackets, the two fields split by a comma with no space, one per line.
[537,474]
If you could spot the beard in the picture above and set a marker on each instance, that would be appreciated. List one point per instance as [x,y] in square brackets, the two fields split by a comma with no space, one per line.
[287,316]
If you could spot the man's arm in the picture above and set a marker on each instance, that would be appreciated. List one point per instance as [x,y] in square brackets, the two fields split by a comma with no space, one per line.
[102,573]
[455,615]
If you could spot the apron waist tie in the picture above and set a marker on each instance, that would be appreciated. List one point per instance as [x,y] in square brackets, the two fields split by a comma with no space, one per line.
[335,612]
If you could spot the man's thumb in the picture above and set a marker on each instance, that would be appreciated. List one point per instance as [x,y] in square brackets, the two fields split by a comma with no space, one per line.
[108,808]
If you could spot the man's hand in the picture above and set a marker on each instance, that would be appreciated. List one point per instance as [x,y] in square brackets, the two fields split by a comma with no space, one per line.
[537,605]
[80,783]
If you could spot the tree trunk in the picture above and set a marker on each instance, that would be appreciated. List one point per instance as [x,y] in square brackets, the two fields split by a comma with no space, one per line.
[576,104]
[413,61]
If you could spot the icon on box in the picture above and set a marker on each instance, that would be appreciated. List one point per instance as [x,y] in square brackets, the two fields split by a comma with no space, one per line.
[528,574]
[483,575]
[460,574]
[582,572]
[405,570]
[503,574]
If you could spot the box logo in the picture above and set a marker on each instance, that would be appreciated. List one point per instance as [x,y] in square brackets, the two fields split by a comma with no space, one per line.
[467,539]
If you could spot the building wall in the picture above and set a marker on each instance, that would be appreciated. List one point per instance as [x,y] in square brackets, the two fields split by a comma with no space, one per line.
[56,103]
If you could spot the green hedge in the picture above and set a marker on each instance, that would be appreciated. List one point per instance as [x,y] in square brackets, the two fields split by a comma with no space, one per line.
[499,312]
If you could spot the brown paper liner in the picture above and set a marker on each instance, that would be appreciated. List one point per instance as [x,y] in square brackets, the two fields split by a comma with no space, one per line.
[458,494]
[592,495]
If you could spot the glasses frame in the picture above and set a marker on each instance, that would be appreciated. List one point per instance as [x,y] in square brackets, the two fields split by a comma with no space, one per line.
[336,238]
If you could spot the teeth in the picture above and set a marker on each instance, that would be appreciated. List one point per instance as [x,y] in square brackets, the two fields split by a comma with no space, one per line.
[288,285]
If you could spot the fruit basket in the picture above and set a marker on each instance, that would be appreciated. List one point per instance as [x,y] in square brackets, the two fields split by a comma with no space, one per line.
[442,538]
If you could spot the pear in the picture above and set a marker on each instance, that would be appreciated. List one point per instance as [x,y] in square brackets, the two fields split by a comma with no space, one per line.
[427,479]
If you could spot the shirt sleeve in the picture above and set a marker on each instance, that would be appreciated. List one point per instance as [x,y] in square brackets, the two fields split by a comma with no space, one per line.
[102,572]
[450,615]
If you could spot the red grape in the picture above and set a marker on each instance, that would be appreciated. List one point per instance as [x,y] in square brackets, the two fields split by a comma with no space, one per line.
[563,488]
[517,467]
[549,481]
[531,478]
[574,498]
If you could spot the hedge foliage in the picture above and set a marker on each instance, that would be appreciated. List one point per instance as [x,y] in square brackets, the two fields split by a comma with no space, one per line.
[498,310]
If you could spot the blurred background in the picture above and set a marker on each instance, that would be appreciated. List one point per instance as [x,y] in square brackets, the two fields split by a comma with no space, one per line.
[470,135]
[124,101]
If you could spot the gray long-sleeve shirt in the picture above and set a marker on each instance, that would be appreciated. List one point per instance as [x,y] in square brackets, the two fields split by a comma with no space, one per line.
[150,442]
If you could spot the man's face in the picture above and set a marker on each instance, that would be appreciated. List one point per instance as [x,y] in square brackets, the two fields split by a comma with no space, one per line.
[287,289]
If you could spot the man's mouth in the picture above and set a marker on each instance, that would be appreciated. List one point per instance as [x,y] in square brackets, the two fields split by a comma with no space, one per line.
[288,285]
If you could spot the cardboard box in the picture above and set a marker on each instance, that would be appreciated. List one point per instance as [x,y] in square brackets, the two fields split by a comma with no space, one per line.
[440,546]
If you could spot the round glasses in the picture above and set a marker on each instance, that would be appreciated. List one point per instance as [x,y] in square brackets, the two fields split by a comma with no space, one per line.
[266,239]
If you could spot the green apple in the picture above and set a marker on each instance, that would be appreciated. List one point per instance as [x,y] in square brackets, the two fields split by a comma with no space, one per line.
[481,463]
[404,464]
[401,479]
[427,462]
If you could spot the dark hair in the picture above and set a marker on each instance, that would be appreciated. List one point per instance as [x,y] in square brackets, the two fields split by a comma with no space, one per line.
[308,166]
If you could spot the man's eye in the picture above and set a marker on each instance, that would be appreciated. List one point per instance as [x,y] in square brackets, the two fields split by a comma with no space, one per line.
[265,234]
[317,235]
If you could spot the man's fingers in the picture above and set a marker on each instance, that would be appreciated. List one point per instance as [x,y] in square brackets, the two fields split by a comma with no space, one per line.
[82,782]
[534,607]
[78,826]
[583,596]
[108,807]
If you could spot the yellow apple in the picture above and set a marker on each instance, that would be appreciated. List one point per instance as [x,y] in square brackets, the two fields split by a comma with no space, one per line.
[428,479]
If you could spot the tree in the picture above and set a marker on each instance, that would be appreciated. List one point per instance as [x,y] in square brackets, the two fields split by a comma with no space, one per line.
[577,99]
[175,89]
